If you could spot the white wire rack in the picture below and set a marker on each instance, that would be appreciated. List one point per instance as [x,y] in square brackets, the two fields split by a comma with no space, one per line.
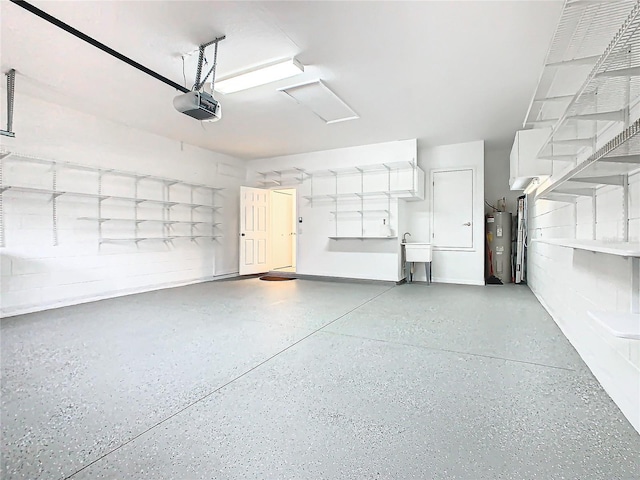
[165,207]
[20,157]
[610,89]
[608,166]
[282,178]
[584,31]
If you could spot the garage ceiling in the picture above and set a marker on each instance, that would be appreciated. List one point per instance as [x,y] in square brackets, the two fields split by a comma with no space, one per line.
[442,72]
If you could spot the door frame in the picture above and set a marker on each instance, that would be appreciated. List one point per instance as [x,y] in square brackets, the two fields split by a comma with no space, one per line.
[432,199]
[294,219]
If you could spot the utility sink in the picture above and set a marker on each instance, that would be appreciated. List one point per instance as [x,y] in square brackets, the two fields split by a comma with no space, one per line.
[417,252]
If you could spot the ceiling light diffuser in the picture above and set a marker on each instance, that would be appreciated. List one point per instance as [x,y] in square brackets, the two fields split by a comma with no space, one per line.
[322,101]
[259,76]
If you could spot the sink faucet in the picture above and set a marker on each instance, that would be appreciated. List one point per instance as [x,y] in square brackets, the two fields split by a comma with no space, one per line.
[404,237]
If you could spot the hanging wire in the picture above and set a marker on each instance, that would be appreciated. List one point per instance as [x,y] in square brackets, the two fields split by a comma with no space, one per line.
[491,206]
[184,76]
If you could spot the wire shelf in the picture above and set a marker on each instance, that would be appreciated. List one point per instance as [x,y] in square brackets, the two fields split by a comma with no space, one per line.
[48,191]
[103,199]
[150,220]
[610,88]
[362,238]
[57,193]
[382,194]
[19,157]
[278,173]
[360,212]
[358,170]
[620,156]
[584,32]
[156,239]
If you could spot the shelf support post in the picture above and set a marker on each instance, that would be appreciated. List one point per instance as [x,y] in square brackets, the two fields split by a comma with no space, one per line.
[389,197]
[191,213]
[135,210]
[625,208]
[361,202]
[54,203]
[214,212]
[100,173]
[575,219]
[167,207]
[627,91]
[414,181]
[635,285]
[594,211]
[335,174]
[2,244]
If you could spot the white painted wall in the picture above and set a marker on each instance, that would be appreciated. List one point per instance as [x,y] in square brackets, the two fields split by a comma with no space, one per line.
[571,282]
[496,180]
[380,259]
[36,275]
[317,254]
[465,267]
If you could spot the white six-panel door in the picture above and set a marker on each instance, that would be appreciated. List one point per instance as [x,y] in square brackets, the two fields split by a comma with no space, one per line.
[254,230]
[452,226]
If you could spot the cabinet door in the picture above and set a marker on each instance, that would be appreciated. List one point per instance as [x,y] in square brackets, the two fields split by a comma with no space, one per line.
[453,209]
[529,144]
[524,161]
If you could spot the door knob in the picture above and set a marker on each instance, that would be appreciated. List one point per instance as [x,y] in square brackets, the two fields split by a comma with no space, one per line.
[242,234]
[468,224]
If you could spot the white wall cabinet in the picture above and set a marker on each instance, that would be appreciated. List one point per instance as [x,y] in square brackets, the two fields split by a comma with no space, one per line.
[524,164]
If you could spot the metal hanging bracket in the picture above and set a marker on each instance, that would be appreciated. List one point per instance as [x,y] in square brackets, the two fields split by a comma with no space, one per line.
[11,88]
[199,84]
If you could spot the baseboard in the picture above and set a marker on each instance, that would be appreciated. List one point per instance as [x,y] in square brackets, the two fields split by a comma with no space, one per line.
[323,278]
[458,281]
[224,276]
[23,310]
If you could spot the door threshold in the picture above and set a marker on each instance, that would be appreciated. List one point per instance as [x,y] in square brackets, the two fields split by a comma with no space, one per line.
[281,273]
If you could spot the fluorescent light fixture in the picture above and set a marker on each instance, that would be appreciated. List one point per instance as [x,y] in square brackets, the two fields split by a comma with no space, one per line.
[259,76]
[322,101]
[533,184]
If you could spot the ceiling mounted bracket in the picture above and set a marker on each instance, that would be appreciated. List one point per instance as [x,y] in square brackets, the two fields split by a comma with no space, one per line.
[11,90]
[198,85]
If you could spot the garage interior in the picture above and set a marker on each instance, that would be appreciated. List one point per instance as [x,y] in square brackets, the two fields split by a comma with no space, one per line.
[448,190]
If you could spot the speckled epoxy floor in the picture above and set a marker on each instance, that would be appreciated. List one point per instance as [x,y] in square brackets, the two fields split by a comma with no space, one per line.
[306,380]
